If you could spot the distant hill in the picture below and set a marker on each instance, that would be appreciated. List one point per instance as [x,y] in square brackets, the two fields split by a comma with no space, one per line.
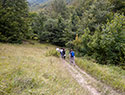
[32,2]
[34,5]
[38,4]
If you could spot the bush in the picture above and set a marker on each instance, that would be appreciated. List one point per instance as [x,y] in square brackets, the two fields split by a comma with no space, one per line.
[107,44]
[52,53]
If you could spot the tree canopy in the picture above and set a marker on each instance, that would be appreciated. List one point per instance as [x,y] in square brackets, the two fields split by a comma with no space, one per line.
[14,23]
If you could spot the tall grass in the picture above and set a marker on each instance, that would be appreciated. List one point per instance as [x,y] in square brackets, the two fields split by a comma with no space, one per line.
[26,70]
[52,52]
[111,75]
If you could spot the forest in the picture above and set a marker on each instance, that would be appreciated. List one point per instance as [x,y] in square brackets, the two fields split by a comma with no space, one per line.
[93,28]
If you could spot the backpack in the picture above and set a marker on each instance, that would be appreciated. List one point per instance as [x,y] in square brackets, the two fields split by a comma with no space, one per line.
[61,52]
[72,54]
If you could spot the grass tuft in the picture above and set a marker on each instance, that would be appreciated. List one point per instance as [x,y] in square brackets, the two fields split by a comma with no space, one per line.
[52,52]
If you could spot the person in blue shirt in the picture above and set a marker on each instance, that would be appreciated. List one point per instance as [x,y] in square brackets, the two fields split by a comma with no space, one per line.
[72,57]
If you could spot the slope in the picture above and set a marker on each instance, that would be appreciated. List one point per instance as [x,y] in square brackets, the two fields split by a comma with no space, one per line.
[25,69]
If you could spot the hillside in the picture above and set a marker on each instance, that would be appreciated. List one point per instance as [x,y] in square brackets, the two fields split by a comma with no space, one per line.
[36,2]
[25,70]
[36,69]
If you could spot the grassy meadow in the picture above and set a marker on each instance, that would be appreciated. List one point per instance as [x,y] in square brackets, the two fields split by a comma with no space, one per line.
[28,70]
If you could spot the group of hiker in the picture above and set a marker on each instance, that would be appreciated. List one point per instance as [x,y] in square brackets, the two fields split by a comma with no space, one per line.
[71,55]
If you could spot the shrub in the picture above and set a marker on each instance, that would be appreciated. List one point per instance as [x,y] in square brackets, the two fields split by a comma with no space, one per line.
[107,44]
[52,53]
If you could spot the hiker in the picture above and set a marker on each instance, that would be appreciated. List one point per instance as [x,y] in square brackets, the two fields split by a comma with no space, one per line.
[61,52]
[64,53]
[57,49]
[72,57]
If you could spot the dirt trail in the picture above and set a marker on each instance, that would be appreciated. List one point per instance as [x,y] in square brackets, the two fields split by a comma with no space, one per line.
[87,82]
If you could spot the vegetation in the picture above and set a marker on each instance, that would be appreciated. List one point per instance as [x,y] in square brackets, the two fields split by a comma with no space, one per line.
[98,29]
[113,76]
[93,28]
[95,24]
[14,22]
[107,45]
[33,69]
[30,71]
[53,52]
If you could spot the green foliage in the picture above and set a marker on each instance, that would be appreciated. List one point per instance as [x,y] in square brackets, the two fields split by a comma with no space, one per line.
[14,22]
[87,19]
[55,31]
[37,24]
[52,52]
[58,7]
[106,45]
[119,6]
[109,44]
[95,13]
[60,23]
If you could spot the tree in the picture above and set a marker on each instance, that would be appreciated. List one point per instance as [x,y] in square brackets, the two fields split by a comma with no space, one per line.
[14,21]
[119,6]
[106,45]
[54,31]
[58,7]
[95,13]
[38,20]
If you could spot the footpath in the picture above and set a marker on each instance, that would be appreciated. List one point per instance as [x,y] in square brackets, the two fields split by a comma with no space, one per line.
[86,81]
